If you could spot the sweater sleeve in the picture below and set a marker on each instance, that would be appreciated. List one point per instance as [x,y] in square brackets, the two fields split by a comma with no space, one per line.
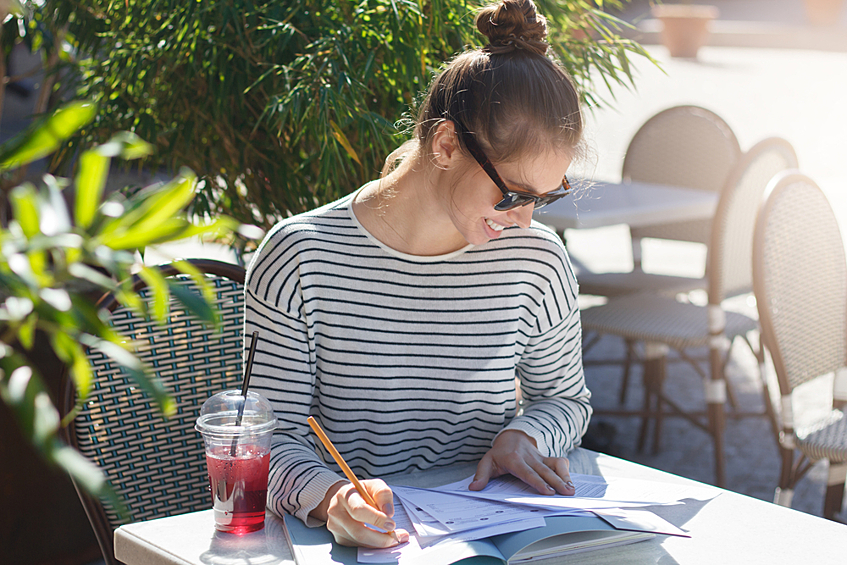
[556,398]
[284,373]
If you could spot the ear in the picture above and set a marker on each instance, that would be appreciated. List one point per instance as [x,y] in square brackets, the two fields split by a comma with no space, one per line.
[445,145]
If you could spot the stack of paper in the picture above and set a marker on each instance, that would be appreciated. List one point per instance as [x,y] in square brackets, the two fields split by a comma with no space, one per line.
[510,521]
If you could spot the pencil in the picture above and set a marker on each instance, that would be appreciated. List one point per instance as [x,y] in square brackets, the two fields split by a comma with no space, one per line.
[348,472]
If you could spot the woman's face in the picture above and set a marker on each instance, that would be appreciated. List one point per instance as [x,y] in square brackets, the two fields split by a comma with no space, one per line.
[470,196]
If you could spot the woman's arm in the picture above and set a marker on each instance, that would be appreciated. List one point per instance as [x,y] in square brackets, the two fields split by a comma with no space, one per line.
[534,445]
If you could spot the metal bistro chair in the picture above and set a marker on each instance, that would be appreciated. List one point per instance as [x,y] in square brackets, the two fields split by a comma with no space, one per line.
[685,146]
[800,280]
[158,465]
[662,322]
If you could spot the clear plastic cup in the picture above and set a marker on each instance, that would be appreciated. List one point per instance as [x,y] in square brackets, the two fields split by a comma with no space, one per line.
[237,458]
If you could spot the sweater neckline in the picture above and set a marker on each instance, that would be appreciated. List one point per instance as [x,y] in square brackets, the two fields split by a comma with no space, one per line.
[391,250]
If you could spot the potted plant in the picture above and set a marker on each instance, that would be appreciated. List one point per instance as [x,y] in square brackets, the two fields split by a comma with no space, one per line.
[823,12]
[685,26]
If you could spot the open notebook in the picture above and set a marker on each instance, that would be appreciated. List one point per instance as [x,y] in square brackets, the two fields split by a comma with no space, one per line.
[562,535]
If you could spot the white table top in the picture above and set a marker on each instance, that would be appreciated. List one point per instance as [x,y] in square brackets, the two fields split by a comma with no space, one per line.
[729,529]
[599,204]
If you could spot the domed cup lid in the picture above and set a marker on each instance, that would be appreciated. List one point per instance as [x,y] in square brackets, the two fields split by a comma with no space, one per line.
[219,414]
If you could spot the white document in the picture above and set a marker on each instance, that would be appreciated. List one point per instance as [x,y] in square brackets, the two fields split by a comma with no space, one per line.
[435,533]
[639,520]
[425,552]
[457,513]
[592,493]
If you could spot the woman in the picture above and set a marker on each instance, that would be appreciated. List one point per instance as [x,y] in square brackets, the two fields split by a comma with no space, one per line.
[400,315]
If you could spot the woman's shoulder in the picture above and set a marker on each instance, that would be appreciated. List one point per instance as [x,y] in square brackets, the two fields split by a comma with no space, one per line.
[291,239]
[536,239]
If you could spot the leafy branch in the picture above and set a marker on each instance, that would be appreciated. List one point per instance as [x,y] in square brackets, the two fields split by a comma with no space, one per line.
[55,260]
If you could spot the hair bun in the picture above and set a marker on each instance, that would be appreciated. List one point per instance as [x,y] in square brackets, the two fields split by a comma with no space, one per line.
[511,25]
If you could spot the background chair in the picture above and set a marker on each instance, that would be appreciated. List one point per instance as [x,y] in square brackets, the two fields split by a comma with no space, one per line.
[685,146]
[157,465]
[800,280]
[662,322]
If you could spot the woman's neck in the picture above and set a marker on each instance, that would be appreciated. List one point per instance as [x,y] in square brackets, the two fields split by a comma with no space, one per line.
[404,212]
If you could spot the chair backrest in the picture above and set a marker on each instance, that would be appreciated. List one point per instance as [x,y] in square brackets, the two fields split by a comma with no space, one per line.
[685,146]
[800,278]
[158,465]
[730,250]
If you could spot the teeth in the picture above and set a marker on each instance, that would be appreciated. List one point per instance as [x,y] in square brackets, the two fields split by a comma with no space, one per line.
[492,225]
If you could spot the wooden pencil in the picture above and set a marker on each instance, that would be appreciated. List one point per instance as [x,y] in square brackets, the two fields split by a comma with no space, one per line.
[348,472]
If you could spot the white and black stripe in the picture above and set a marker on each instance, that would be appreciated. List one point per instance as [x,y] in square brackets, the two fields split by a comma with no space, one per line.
[409,362]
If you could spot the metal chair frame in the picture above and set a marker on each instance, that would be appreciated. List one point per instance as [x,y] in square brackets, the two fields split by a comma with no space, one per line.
[723,144]
[101,522]
[635,316]
[803,349]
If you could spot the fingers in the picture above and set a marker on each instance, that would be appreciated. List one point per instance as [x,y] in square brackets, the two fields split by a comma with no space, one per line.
[485,470]
[537,475]
[381,494]
[548,476]
[558,475]
[349,513]
[356,534]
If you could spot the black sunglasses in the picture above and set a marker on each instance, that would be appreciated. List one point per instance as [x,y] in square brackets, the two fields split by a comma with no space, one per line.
[511,198]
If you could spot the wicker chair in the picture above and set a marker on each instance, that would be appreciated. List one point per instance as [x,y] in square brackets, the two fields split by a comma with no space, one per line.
[662,322]
[686,146]
[800,281]
[157,465]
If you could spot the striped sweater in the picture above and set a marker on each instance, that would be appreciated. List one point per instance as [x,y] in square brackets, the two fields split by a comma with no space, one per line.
[408,362]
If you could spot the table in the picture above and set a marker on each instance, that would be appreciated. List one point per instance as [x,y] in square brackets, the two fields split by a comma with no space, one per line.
[596,204]
[729,529]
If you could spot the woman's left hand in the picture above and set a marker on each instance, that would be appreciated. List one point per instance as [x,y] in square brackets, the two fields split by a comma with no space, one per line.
[514,452]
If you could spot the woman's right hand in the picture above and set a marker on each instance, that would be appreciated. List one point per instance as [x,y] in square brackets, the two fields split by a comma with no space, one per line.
[346,513]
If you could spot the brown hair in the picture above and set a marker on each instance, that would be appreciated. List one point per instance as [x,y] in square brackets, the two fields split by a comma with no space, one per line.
[509,94]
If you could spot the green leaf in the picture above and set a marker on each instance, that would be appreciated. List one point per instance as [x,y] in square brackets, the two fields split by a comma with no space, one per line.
[26,333]
[148,210]
[90,181]
[24,201]
[46,418]
[148,383]
[193,302]
[87,475]
[220,228]
[17,307]
[126,145]
[159,287]
[145,234]
[93,276]
[58,298]
[54,211]
[45,136]
[72,354]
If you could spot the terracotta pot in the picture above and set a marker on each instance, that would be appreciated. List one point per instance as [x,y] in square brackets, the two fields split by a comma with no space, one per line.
[685,27]
[823,12]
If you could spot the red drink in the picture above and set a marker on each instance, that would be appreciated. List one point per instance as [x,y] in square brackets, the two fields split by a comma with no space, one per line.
[239,487]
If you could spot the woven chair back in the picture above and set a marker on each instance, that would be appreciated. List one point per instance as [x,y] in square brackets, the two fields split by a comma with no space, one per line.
[156,464]
[800,277]
[685,146]
[730,250]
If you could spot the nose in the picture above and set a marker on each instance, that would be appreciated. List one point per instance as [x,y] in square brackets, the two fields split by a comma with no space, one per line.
[522,216]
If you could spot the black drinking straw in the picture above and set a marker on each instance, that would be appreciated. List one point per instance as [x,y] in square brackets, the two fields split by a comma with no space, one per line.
[244,386]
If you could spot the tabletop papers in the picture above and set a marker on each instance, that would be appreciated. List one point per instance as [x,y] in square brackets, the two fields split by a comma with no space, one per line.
[453,520]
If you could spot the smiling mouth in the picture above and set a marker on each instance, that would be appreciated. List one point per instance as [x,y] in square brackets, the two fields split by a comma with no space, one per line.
[493,225]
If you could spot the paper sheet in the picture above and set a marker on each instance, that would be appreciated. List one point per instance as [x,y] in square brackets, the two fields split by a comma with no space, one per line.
[592,493]
[457,513]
